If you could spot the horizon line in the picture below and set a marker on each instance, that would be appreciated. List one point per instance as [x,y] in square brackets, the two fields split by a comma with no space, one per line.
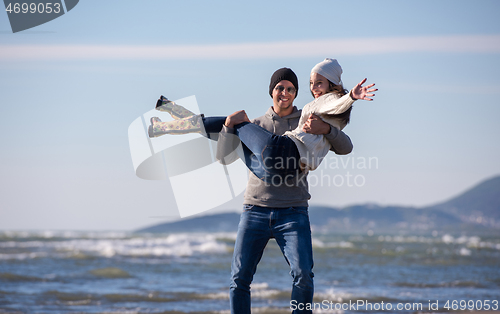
[257,50]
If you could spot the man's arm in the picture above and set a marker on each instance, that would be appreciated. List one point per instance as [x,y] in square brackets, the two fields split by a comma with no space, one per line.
[228,142]
[340,142]
[226,146]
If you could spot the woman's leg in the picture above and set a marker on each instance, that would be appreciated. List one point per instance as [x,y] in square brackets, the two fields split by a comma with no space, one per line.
[175,110]
[213,124]
[193,124]
[271,157]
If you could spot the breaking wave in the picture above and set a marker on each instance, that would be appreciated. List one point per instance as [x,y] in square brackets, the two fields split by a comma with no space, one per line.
[21,246]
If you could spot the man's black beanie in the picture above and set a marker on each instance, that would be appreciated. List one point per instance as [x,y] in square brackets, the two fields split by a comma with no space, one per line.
[282,75]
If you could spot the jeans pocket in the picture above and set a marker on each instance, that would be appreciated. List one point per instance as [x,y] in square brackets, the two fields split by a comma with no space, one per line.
[301,210]
[247,207]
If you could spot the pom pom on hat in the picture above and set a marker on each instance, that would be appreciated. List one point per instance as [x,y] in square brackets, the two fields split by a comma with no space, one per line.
[329,68]
[283,74]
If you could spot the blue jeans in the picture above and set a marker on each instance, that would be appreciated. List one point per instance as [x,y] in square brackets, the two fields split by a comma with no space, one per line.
[273,158]
[291,229]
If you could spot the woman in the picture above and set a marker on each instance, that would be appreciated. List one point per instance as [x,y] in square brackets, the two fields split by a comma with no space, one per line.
[268,155]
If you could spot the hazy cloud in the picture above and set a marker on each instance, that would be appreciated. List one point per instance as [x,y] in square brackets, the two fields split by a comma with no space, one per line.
[262,50]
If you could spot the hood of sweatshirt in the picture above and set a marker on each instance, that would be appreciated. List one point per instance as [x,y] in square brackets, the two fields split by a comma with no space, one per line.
[279,124]
[273,115]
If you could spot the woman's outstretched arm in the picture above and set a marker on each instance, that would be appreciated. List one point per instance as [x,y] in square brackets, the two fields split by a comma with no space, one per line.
[363,92]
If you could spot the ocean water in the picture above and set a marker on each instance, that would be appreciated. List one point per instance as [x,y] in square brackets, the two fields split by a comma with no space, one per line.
[120,272]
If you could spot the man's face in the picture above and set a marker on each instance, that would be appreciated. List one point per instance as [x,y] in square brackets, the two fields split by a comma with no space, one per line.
[283,95]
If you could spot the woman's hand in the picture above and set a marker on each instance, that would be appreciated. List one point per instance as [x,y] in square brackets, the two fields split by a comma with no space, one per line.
[314,125]
[236,118]
[362,92]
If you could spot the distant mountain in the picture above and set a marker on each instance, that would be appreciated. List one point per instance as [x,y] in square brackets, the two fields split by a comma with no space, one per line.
[362,218]
[477,209]
[226,222]
[480,202]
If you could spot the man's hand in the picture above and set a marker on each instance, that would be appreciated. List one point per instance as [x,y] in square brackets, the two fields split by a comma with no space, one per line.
[314,125]
[236,118]
[363,92]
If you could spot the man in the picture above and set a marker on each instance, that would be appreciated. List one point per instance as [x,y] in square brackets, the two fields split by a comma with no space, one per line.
[276,211]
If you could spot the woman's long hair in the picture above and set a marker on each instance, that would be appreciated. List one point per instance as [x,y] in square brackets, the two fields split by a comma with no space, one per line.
[345,117]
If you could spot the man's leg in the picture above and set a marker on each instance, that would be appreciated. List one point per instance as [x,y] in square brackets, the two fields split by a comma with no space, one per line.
[253,235]
[293,234]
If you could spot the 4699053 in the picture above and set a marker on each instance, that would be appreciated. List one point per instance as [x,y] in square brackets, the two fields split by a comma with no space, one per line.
[479,305]
[34,8]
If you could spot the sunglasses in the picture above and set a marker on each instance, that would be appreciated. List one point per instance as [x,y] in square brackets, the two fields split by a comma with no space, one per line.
[290,90]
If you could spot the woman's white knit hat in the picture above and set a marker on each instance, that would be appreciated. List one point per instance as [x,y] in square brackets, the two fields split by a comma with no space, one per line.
[330,69]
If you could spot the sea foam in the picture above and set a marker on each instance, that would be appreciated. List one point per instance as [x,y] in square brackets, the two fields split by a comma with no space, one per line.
[21,246]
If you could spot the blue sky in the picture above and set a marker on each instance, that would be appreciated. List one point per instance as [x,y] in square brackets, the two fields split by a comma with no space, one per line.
[71,87]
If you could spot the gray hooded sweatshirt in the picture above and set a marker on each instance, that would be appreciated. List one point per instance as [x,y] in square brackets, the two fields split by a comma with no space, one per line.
[271,195]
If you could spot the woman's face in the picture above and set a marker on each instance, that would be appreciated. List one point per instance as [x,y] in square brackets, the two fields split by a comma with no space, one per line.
[318,84]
